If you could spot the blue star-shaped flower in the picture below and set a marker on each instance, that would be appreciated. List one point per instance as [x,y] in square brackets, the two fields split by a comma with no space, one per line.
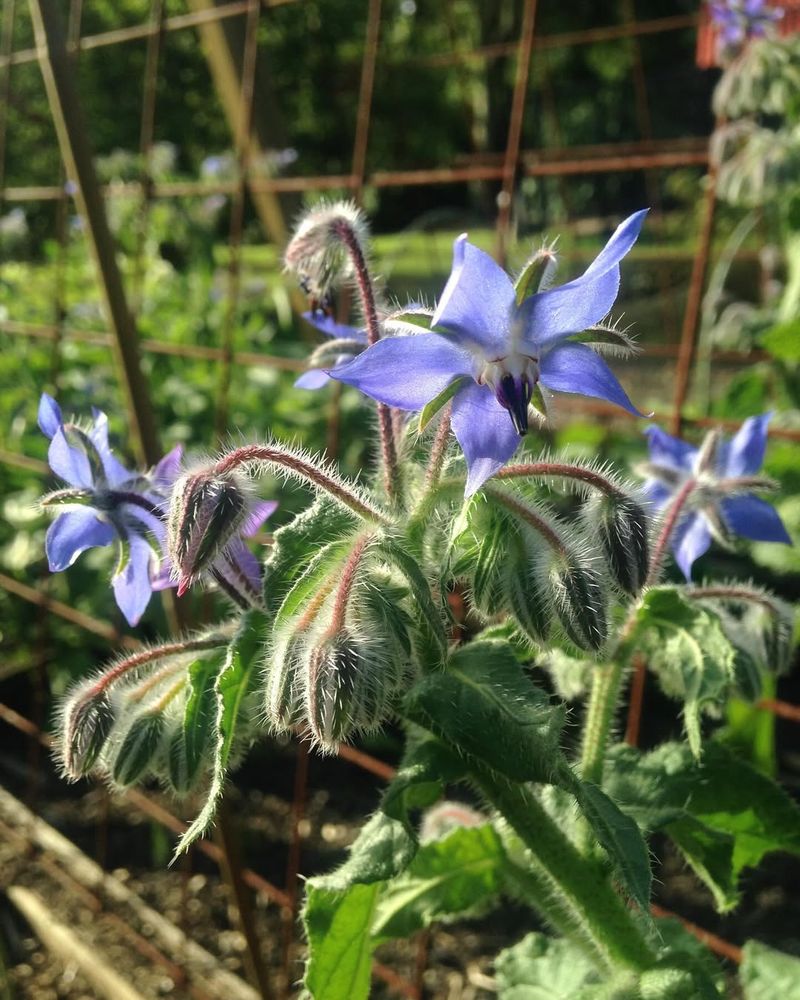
[106,504]
[499,350]
[738,20]
[673,462]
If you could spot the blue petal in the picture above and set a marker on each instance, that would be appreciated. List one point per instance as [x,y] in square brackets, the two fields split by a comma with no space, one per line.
[692,538]
[406,372]
[114,471]
[73,532]
[314,378]
[166,472]
[656,493]
[238,562]
[132,585]
[572,308]
[260,511]
[744,454]
[485,432]
[49,415]
[576,368]
[478,299]
[68,462]
[668,450]
[754,518]
[328,325]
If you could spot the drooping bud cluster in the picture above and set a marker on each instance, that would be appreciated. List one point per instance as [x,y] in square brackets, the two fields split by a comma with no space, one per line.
[522,560]
[145,714]
[623,529]
[320,252]
[337,666]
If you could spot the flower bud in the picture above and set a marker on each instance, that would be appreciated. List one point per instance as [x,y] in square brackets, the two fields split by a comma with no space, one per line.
[346,687]
[87,719]
[139,748]
[623,528]
[206,511]
[320,252]
[283,695]
[579,602]
[524,587]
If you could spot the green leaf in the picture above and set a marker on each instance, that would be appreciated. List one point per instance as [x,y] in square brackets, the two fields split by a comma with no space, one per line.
[426,611]
[455,876]
[620,838]
[485,706]
[543,968]
[234,686]
[383,849]
[298,543]
[430,409]
[722,814]
[192,739]
[766,974]
[420,779]
[783,341]
[686,646]
[337,927]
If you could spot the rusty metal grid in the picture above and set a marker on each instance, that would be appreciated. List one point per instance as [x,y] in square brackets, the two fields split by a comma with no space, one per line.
[57,47]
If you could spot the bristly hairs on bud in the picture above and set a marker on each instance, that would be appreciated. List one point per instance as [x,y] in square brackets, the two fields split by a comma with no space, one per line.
[318,253]
[87,715]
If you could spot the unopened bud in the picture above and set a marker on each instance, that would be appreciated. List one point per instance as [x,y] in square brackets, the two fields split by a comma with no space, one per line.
[346,690]
[579,602]
[319,252]
[524,587]
[623,528]
[139,748]
[206,511]
[86,724]
[284,697]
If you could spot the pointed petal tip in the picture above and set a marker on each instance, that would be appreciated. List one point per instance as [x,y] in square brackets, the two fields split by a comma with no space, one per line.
[183,585]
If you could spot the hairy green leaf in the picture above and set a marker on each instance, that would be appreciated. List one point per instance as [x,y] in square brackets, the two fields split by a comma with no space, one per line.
[337,926]
[544,968]
[485,706]
[686,646]
[766,974]
[189,743]
[451,877]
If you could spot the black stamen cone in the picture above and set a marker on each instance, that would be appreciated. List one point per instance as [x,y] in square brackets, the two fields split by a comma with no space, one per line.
[515,394]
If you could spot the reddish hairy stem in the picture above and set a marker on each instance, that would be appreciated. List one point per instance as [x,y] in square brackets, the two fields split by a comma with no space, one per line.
[148,656]
[524,512]
[735,594]
[438,449]
[348,237]
[558,470]
[301,467]
[668,527]
[345,588]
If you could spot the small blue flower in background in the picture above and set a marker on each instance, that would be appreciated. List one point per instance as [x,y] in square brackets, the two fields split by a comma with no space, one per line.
[673,462]
[350,336]
[738,20]
[106,504]
[500,350]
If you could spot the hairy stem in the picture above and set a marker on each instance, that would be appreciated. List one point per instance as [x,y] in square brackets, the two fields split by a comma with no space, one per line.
[438,450]
[346,234]
[528,514]
[668,526]
[597,725]
[579,882]
[559,470]
[303,469]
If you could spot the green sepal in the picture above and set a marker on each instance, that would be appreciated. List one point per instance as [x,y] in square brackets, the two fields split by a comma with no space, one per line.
[430,409]
[537,270]
[139,748]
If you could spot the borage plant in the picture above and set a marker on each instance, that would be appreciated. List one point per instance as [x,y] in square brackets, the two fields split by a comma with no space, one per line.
[562,566]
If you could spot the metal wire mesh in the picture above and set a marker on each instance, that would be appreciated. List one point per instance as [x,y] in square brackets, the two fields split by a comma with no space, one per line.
[57,49]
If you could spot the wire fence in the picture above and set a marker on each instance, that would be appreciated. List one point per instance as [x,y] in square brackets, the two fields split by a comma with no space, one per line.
[57,50]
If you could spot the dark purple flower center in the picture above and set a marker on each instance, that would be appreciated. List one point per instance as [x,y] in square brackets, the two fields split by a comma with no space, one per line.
[514,393]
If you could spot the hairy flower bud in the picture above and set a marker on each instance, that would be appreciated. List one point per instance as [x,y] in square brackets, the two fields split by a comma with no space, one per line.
[138,749]
[206,511]
[319,252]
[87,718]
[346,689]
[623,528]
[579,602]
[283,687]
[524,586]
